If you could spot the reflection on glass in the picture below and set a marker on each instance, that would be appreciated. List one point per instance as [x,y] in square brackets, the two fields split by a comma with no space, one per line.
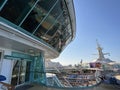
[16,10]
[46,19]
[37,15]
[19,72]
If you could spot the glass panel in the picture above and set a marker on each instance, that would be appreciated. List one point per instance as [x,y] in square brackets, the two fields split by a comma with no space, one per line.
[16,10]
[32,21]
[47,29]
[2,3]
[39,69]
[27,75]
[46,5]
[19,72]
[59,39]
[16,70]
[22,72]
[37,15]
[63,30]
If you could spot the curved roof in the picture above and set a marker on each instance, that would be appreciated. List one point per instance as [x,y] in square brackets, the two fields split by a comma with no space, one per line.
[71,10]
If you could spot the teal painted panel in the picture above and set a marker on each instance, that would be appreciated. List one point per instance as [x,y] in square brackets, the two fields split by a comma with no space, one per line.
[22,55]
[19,56]
[11,57]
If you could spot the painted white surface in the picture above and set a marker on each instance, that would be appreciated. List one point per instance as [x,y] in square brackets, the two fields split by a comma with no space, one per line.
[6,67]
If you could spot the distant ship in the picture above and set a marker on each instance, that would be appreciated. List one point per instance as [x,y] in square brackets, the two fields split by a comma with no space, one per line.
[101,61]
[111,69]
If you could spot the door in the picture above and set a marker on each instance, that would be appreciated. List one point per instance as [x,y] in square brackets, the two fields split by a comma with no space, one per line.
[20,72]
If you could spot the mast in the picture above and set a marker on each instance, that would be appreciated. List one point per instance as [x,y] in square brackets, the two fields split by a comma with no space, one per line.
[100,53]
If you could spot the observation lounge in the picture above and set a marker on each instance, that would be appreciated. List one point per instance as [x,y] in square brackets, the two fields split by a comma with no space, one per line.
[32,31]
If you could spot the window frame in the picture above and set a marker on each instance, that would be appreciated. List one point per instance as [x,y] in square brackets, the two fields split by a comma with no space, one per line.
[3,4]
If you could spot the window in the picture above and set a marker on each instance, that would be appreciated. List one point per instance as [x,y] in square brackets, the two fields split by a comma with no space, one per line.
[16,10]
[37,15]
[2,3]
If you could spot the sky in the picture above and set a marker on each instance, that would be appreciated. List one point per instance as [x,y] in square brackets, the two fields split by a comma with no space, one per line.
[95,20]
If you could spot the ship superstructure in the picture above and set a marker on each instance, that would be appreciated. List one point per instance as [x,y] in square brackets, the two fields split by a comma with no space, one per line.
[101,58]
[32,31]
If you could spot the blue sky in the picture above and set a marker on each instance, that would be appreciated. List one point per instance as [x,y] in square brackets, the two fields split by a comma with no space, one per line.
[95,19]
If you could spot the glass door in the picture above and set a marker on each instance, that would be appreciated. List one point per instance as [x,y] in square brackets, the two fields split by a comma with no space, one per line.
[20,72]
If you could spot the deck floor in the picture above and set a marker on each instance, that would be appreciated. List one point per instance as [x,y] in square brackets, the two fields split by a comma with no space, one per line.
[38,87]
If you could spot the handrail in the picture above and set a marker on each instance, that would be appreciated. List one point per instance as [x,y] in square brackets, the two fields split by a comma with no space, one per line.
[85,80]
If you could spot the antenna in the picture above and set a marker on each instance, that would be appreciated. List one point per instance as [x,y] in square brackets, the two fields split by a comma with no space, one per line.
[98,45]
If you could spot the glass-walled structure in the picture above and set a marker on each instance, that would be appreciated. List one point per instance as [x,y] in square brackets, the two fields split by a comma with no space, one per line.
[46,20]
[32,31]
